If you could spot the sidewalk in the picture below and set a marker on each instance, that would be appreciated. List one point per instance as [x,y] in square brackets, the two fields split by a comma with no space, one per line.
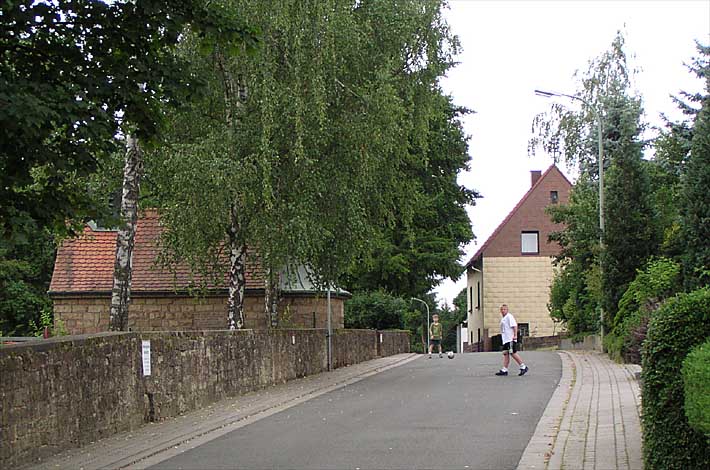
[140,448]
[592,420]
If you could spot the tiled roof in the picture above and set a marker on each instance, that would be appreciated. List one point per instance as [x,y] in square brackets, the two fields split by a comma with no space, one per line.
[512,212]
[85,264]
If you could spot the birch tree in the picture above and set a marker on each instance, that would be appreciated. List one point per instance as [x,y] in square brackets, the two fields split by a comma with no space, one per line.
[309,169]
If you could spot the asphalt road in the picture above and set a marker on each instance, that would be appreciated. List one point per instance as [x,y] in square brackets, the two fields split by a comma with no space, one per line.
[426,414]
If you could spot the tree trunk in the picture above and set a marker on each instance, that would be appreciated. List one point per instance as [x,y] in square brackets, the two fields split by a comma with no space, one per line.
[271,297]
[121,291]
[237,281]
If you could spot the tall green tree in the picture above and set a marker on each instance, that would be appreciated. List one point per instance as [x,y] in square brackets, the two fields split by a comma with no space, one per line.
[416,252]
[695,190]
[296,154]
[630,235]
[630,229]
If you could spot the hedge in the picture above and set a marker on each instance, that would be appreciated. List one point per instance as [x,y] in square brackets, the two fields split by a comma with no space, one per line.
[696,380]
[669,442]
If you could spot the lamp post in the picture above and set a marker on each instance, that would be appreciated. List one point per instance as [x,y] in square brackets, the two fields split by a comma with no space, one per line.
[597,115]
[427,321]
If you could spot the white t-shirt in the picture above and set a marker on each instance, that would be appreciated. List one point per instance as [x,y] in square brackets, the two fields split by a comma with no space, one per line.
[506,327]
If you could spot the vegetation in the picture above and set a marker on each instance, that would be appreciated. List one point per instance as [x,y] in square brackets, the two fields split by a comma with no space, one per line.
[696,381]
[681,323]
[657,282]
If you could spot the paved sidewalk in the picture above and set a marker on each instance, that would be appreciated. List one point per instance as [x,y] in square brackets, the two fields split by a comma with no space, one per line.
[592,420]
[156,441]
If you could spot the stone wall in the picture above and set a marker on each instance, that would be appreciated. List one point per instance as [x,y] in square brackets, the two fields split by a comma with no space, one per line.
[85,315]
[524,284]
[65,392]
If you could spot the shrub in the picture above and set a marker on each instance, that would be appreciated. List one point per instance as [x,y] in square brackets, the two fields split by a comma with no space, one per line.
[681,323]
[696,380]
[659,280]
[377,310]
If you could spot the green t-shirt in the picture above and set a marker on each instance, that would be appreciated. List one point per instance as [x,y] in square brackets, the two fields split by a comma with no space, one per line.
[435,331]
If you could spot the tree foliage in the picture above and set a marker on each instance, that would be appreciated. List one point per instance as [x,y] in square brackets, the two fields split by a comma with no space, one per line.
[310,155]
[695,190]
[71,73]
[412,256]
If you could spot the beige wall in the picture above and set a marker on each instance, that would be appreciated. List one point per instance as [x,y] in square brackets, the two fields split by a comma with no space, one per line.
[524,284]
[475,315]
[82,315]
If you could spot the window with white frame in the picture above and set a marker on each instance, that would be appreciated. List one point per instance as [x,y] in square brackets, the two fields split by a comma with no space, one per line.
[529,243]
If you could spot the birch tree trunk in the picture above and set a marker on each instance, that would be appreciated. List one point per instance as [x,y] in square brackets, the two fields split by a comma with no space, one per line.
[234,94]
[121,291]
[237,281]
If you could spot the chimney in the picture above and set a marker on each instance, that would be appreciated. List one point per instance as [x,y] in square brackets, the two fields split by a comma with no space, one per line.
[534,176]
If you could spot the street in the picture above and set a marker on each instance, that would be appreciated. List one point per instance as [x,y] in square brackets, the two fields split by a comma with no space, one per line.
[425,414]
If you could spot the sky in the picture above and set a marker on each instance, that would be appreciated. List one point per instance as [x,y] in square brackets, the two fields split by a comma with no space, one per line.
[511,48]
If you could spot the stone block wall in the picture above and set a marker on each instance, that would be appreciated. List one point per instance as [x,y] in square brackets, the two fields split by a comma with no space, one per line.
[64,392]
[86,315]
[524,284]
[392,342]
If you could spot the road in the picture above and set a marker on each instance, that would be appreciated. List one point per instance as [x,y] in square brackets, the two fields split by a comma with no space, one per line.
[426,414]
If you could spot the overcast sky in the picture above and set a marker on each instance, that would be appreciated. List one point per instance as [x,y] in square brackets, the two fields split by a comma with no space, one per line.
[511,48]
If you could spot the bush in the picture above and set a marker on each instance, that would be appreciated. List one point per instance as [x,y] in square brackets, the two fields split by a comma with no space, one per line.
[680,324]
[377,310]
[696,380]
[658,281]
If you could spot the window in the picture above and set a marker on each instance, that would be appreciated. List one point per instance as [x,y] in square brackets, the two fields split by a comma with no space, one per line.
[529,243]
[478,294]
[554,197]
[524,329]
[470,299]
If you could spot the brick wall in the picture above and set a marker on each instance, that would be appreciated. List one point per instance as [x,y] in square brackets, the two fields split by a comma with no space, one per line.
[65,392]
[524,284]
[530,216]
[85,315]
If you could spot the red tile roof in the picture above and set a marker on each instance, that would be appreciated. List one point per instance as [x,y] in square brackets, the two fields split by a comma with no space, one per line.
[515,209]
[85,264]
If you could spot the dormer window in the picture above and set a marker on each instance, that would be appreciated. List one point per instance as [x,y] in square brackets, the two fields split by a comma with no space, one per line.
[554,198]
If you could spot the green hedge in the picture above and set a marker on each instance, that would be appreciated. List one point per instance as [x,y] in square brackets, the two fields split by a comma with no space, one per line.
[675,329]
[696,378]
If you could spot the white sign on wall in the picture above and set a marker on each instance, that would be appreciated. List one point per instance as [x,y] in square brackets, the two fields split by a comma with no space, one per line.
[145,354]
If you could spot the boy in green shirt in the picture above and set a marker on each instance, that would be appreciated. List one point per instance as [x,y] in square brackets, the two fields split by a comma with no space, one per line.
[435,335]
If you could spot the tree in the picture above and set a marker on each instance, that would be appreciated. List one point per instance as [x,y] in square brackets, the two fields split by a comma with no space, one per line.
[631,232]
[415,253]
[695,190]
[296,153]
[630,236]
[71,74]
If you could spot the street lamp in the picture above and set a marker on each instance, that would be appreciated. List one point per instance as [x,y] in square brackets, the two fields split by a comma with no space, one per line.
[427,321]
[597,115]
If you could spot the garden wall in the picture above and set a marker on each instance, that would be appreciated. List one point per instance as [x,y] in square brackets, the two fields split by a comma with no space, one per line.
[65,392]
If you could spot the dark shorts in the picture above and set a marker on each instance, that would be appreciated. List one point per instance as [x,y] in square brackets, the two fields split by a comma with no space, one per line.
[506,347]
[435,342]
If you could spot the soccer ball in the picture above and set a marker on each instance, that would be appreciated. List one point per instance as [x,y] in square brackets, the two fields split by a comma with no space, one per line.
[450,354]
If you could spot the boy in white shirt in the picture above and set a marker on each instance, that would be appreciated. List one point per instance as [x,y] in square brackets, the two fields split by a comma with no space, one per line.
[509,335]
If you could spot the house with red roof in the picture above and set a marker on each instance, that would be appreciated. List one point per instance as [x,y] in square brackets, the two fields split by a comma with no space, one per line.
[162,299]
[514,266]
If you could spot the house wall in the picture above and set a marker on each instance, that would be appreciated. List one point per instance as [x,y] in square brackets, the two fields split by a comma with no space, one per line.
[84,315]
[475,310]
[524,284]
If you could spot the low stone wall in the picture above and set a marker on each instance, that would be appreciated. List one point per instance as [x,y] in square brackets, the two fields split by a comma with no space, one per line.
[539,342]
[62,393]
[392,342]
